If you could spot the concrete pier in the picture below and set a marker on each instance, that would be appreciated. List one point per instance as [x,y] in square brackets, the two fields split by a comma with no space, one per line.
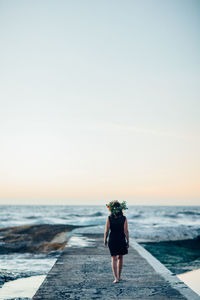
[85,273]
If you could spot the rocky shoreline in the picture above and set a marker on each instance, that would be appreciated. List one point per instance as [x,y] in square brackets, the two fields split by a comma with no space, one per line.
[42,238]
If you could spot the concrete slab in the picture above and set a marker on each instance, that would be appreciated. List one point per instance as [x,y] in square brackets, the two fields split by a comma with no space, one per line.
[85,273]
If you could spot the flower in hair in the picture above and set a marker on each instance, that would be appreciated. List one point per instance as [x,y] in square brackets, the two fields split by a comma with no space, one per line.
[116,207]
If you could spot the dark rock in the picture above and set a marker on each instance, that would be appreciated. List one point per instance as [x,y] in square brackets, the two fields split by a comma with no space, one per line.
[42,238]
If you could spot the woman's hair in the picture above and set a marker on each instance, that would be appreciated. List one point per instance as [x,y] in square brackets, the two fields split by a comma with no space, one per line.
[116,208]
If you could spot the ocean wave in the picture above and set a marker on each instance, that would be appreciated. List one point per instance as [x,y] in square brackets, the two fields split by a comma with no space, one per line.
[189,212]
[135,216]
[32,217]
[170,216]
[164,233]
[97,214]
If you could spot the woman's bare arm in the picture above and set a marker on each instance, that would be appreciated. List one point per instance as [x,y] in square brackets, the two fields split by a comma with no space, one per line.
[126,231]
[106,231]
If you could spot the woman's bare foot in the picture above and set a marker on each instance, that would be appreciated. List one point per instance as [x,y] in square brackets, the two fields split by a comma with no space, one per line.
[115,281]
[119,279]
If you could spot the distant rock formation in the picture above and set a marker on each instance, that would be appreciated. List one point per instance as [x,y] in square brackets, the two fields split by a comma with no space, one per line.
[42,238]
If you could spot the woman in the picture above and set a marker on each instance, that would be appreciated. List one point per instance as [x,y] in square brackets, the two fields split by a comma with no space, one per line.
[118,242]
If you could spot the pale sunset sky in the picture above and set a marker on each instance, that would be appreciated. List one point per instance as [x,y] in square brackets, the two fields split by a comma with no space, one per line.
[100,100]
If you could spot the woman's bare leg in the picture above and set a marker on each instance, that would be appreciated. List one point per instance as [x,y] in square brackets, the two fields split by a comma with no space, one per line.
[119,266]
[114,267]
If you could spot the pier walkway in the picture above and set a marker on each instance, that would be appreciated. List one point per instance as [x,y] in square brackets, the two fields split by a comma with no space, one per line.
[85,273]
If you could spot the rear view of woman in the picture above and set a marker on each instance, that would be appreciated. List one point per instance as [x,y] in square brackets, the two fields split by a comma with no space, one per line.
[118,243]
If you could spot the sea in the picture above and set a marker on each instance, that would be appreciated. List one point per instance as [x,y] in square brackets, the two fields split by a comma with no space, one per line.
[149,225]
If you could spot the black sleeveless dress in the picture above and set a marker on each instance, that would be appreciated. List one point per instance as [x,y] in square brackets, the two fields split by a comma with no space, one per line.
[117,240]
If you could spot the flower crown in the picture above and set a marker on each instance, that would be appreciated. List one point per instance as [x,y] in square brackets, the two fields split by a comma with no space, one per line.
[113,209]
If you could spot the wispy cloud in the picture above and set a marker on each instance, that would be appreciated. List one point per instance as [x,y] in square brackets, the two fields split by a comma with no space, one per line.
[149,131]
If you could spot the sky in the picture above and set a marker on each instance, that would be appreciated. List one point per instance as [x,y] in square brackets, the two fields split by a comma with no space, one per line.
[100,100]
